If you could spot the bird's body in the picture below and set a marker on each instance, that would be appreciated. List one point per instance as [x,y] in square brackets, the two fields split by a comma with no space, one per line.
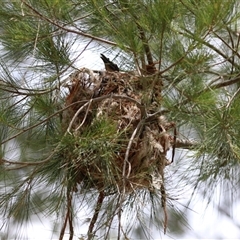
[109,66]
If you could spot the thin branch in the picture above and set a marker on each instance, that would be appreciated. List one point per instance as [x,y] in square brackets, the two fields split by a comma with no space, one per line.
[71,30]
[178,60]
[31,127]
[63,227]
[187,7]
[95,216]
[76,114]
[231,48]
[210,88]
[36,38]
[161,48]
[70,214]
[152,117]
[186,143]
[232,98]
[68,217]
[173,64]
[225,83]
[85,116]
[164,206]
[214,48]
[145,45]
[29,92]
[174,142]
[136,130]
[119,224]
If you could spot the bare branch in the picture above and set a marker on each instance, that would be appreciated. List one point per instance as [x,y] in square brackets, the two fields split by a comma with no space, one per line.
[186,143]
[95,215]
[226,83]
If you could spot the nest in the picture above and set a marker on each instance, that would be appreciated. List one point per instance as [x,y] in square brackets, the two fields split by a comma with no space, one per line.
[119,137]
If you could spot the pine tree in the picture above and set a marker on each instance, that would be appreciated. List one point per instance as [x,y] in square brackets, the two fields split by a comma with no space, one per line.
[79,142]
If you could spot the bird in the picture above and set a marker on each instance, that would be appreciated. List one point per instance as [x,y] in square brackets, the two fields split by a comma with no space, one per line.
[109,66]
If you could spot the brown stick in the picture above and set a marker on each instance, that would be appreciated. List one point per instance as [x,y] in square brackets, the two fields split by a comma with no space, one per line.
[164,206]
[68,217]
[95,215]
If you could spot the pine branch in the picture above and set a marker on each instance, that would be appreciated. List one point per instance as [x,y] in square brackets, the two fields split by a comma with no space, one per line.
[224,84]
[95,215]
[81,33]
[211,46]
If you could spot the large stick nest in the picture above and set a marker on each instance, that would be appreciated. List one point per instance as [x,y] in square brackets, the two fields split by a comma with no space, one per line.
[120,137]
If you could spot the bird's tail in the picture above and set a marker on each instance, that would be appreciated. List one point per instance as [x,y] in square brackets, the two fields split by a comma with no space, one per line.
[105,59]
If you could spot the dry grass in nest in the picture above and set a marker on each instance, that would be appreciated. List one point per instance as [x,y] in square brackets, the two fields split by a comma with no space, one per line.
[132,154]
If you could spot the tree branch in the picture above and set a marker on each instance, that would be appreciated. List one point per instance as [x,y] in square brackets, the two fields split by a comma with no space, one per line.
[95,216]
[225,83]
[72,30]
[186,143]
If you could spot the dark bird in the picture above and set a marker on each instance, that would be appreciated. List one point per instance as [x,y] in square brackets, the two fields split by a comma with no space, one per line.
[109,66]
